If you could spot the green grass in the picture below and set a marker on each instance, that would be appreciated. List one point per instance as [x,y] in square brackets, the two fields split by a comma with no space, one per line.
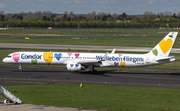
[85,35]
[100,97]
[123,42]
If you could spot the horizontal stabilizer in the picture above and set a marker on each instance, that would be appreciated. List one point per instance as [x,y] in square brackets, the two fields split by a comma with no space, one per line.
[161,58]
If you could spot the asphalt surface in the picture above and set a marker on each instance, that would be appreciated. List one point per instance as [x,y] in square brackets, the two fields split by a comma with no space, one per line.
[78,47]
[9,75]
[55,75]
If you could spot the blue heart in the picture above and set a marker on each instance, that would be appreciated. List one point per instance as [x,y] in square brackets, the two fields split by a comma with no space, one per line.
[58,56]
[77,65]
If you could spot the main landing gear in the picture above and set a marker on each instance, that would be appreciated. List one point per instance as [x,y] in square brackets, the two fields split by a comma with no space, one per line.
[91,70]
[20,68]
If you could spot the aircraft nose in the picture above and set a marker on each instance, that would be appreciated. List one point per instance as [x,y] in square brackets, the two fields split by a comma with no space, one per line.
[4,60]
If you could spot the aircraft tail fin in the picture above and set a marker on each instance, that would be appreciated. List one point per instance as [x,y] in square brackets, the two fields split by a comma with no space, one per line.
[163,48]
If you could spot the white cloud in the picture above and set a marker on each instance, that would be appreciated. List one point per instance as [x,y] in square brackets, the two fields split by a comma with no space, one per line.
[150,2]
[77,1]
[1,5]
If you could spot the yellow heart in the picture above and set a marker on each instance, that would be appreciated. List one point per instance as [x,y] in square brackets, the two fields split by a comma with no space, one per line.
[48,57]
[165,45]
[123,64]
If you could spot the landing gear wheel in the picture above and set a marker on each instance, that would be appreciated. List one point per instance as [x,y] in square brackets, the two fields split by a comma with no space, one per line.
[20,68]
[8,101]
[94,72]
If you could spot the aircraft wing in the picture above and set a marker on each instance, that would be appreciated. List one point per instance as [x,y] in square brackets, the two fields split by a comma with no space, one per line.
[89,62]
[92,61]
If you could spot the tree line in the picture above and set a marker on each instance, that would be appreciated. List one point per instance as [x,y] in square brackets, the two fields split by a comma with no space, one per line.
[93,19]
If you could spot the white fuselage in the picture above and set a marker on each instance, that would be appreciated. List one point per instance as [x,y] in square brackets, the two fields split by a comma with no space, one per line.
[63,58]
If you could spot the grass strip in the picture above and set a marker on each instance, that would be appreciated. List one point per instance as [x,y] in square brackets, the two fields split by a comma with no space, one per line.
[138,37]
[99,97]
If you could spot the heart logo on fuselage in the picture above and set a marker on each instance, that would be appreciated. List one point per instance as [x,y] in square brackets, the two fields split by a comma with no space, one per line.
[48,57]
[16,57]
[58,56]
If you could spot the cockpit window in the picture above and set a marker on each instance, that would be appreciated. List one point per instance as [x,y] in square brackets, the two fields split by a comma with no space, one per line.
[9,56]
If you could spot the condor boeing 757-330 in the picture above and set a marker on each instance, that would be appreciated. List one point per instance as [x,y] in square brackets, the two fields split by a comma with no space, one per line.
[80,61]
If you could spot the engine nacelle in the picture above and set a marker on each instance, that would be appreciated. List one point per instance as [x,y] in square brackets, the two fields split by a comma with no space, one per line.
[74,67]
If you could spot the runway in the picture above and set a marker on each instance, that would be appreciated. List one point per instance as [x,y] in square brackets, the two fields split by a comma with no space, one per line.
[54,75]
[78,47]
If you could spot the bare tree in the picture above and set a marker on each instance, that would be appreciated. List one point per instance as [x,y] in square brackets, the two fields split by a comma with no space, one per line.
[30,14]
[178,15]
[65,13]
[44,13]
[161,14]
[71,13]
[104,13]
[115,16]
[1,12]
[148,15]
[167,13]
[134,17]
[93,14]
[47,13]
[89,15]
[99,14]
[22,13]
[37,14]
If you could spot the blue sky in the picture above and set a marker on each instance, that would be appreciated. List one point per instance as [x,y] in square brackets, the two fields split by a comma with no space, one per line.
[86,6]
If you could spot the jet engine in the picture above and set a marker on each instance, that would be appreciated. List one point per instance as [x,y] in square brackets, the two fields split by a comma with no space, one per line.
[74,67]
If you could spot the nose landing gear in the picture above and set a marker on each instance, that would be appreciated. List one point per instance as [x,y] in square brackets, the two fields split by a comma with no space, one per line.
[20,68]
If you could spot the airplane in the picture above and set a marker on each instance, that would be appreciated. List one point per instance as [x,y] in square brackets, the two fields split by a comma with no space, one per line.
[80,61]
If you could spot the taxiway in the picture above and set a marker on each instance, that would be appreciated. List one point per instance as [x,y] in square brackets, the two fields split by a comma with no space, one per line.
[56,75]
[78,47]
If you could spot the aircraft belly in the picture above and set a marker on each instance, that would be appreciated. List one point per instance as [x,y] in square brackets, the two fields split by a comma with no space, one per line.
[106,64]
